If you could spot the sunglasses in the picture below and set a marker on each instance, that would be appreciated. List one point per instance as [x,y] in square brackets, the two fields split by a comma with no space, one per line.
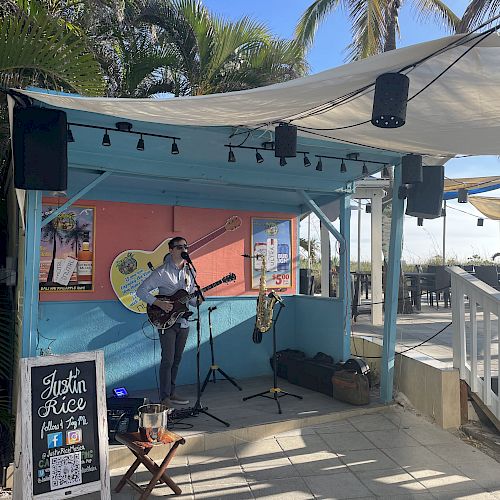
[185,247]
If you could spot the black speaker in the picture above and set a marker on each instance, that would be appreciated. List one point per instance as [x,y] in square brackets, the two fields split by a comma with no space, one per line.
[411,169]
[285,141]
[389,100]
[425,199]
[40,149]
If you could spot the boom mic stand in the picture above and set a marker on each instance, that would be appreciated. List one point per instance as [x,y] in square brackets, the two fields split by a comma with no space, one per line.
[275,392]
[198,407]
[213,367]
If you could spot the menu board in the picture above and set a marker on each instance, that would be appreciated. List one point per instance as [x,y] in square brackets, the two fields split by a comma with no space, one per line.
[65,419]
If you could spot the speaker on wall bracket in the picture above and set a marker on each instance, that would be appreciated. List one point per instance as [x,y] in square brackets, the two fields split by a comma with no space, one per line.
[425,199]
[40,149]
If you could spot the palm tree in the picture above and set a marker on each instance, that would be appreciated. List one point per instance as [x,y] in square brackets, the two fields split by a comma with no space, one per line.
[205,54]
[374,23]
[52,232]
[75,235]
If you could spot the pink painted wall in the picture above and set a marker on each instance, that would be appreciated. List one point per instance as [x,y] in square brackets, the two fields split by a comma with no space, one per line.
[123,226]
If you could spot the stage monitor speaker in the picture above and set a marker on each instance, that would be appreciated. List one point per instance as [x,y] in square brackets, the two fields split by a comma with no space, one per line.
[425,199]
[40,149]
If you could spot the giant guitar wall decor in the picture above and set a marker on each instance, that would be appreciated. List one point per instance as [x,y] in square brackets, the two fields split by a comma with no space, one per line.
[180,299]
[130,267]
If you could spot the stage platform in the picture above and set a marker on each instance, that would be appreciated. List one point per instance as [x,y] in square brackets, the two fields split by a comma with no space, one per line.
[250,420]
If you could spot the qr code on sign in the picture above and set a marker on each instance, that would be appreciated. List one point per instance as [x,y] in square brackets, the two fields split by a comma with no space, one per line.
[65,470]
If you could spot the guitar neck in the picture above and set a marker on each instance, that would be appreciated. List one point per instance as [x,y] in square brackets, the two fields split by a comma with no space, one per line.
[206,288]
[206,239]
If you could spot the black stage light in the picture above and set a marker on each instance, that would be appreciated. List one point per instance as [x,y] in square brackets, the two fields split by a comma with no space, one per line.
[69,136]
[230,157]
[140,144]
[106,141]
[462,195]
[368,208]
[175,148]
[282,161]
[390,100]
[307,162]
[258,157]
[319,166]
[343,167]
[420,221]
[365,169]
[480,222]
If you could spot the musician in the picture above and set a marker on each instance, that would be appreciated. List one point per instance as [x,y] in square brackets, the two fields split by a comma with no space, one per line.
[174,275]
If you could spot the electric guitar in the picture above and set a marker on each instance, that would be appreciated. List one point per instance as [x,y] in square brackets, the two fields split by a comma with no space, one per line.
[180,299]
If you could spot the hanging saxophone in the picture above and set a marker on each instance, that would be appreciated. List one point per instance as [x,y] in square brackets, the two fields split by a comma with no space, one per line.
[265,305]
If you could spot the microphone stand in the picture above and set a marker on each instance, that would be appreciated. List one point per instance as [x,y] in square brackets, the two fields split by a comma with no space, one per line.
[274,392]
[198,407]
[213,367]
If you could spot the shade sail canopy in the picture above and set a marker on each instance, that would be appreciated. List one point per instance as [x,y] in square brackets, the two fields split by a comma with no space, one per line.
[454,105]
[488,206]
[473,185]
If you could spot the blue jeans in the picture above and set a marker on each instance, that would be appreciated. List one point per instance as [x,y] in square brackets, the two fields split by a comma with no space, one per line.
[172,341]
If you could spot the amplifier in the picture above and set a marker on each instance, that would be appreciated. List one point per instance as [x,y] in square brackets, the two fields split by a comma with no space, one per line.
[123,415]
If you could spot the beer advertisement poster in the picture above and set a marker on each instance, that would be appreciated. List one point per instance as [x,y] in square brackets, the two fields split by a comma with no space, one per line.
[67,249]
[272,238]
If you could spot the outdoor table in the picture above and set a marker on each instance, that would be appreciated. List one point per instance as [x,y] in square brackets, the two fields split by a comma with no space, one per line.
[140,448]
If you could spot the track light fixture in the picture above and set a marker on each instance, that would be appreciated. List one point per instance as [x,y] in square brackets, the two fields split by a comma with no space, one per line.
[420,221]
[353,157]
[480,222]
[266,146]
[125,127]
[462,195]
[319,165]
[69,136]
[140,144]
[307,162]
[106,141]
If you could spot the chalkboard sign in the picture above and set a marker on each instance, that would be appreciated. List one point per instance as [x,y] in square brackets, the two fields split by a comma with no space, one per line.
[63,431]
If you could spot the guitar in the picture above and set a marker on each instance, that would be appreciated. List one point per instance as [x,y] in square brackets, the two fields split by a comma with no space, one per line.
[163,320]
[130,268]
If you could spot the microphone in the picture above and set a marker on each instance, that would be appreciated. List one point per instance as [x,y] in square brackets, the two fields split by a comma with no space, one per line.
[186,257]
[213,308]
[248,256]
[277,297]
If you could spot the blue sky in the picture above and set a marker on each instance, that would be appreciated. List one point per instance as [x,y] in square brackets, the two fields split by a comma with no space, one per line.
[463,237]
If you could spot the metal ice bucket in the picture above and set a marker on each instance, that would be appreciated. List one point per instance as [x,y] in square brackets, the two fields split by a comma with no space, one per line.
[152,422]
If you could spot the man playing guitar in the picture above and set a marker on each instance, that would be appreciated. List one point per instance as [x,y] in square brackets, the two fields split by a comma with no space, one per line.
[173,276]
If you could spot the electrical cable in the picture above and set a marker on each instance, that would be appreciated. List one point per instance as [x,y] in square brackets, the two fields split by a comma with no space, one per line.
[415,346]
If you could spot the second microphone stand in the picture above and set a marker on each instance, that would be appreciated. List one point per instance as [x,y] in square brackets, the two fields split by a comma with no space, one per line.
[213,367]
[198,407]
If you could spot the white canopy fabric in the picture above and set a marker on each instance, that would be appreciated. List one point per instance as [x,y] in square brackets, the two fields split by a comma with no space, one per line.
[459,113]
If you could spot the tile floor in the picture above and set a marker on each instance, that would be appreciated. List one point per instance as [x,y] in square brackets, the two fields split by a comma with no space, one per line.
[390,454]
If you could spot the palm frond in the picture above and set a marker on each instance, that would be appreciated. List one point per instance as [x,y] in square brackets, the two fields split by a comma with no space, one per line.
[476,13]
[438,11]
[311,19]
[34,47]
[368,29]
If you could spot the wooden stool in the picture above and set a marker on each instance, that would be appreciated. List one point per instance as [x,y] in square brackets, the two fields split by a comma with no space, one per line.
[140,448]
